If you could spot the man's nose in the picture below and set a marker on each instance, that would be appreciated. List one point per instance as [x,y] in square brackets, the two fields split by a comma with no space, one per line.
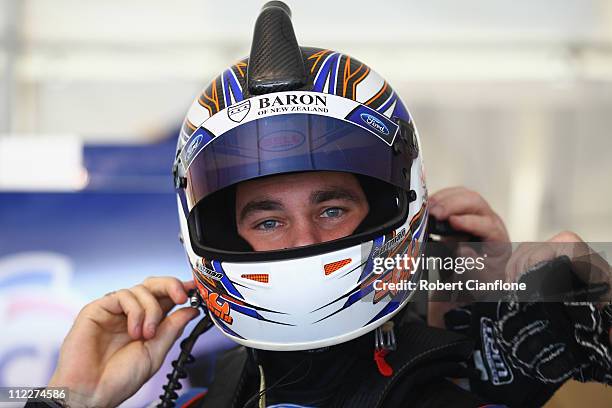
[305,232]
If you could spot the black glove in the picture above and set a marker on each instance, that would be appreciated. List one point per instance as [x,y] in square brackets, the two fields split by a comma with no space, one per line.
[553,342]
[566,338]
[494,377]
[526,350]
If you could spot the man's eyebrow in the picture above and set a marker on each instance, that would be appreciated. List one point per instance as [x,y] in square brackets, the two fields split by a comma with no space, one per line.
[259,205]
[333,193]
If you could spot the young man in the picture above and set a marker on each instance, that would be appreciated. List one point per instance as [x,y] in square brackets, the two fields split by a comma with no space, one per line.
[295,169]
[119,341]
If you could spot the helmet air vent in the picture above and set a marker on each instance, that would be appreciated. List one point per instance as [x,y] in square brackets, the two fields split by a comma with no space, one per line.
[275,62]
[257,277]
[334,266]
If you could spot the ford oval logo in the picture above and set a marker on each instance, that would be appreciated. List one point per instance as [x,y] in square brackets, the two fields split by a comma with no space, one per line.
[193,146]
[374,123]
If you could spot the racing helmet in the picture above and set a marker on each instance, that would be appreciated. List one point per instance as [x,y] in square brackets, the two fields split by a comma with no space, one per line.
[288,109]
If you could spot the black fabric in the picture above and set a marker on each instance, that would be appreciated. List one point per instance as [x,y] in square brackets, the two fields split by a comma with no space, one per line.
[526,351]
[232,372]
[552,342]
[424,386]
[494,376]
[322,374]
[346,375]
[424,354]
[437,393]
[42,404]
[559,280]
[215,221]
[382,199]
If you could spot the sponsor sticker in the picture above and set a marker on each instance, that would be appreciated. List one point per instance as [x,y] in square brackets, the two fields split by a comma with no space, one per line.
[239,111]
[200,138]
[498,367]
[193,146]
[375,122]
[291,102]
[208,272]
[281,141]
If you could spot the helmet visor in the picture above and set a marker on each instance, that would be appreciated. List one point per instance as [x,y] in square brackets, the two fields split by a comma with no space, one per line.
[296,143]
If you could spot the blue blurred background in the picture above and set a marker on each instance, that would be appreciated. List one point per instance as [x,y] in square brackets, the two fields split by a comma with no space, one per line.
[62,249]
[511,99]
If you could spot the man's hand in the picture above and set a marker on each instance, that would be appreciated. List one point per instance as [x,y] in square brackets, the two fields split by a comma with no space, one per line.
[526,350]
[467,211]
[563,337]
[120,340]
[588,265]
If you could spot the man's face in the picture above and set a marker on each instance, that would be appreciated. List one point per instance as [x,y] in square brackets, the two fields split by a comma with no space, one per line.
[294,210]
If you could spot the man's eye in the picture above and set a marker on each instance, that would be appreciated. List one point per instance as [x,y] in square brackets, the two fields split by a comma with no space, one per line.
[267,225]
[333,212]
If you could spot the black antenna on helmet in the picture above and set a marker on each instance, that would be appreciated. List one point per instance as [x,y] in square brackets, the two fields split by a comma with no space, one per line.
[275,63]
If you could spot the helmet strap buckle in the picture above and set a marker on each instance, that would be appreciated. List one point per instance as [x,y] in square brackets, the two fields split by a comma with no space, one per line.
[384,337]
[384,343]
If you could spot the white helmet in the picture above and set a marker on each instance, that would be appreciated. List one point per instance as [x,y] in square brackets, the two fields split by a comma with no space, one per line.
[294,109]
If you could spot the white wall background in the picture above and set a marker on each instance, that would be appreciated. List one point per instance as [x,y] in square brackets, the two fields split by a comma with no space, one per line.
[513,99]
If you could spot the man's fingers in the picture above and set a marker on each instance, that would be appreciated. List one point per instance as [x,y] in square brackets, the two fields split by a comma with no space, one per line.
[189,284]
[465,251]
[170,287]
[482,226]
[566,236]
[144,305]
[444,193]
[166,304]
[125,302]
[529,254]
[153,310]
[159,295]
[168,331]
[460,202]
